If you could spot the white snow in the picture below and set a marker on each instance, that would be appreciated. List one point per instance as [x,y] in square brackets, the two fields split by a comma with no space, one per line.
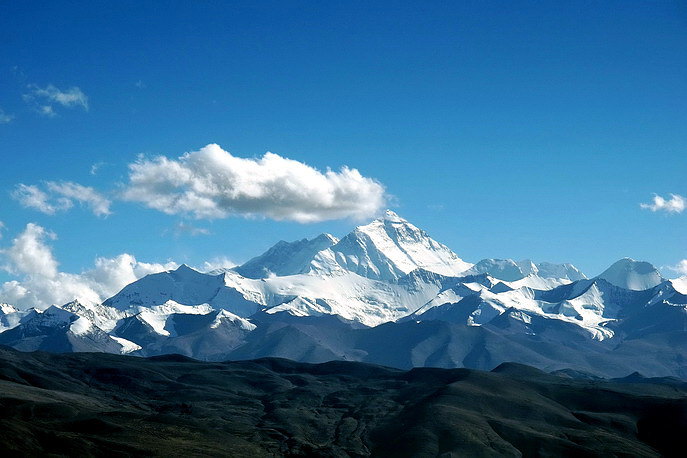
[6,309]
[680,284]
[158,315]
[386,249]
[223,316]
[127,345]
[633,275]
[81,326]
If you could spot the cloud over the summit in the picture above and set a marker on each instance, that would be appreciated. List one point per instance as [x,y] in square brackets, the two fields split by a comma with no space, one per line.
[42,284]
[212,183]
[676,204]
[61,196]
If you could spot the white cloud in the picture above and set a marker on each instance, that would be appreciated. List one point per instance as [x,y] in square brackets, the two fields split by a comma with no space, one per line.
[680,268]
[29,253]
[188,229]
[4,117]
[47,97]
[47,110]
[676,204]
[61,196]
[42,284]
[212,183]
[99,205]
[2,228]
[221,262]
[32,197]
[95,168]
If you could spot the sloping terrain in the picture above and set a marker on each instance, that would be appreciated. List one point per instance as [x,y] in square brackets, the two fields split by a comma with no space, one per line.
[107,405]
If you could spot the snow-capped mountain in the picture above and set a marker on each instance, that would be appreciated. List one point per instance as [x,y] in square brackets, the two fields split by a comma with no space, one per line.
[509,270]
[386,249]
[58,330]
[286,258]
[385,293]
[10,316]
[630,274]
[189,287]
[680,284]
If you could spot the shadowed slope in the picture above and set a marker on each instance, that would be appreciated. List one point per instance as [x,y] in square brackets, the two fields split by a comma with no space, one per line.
[95,404]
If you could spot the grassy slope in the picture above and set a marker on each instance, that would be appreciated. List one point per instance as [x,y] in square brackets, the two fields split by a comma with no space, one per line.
[99,404]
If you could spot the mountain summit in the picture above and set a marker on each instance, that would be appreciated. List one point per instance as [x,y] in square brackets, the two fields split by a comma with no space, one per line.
[633,275]
[385,249]
[388,248]
[286,258]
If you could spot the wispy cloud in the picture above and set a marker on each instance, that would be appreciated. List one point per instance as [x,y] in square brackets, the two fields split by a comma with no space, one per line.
[189,229]
[4,117]
[215,264]
[675,204]
[30,196]
[680,267]
[45,98]
[61,196]
[212,183]
[95,168]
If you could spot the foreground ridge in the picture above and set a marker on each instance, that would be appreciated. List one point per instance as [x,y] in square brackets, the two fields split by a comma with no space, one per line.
[95,404]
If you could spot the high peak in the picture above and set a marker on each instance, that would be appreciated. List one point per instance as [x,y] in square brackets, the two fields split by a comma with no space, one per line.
[392,217]
[185,268]
[630,274]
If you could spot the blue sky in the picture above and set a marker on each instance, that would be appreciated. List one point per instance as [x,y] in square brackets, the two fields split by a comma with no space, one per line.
[504,129]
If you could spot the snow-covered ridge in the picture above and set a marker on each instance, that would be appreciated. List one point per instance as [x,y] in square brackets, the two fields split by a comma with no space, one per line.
[386,249]
[385,271]
[509,270]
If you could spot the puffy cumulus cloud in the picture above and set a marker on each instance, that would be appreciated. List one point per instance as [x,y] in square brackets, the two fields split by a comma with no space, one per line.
[676,204]
[29,253]
[45,98]
[212,183]
[112,274]
[61,196]
[42,284]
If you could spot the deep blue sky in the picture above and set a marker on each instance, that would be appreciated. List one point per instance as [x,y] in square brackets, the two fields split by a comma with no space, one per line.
[504,129]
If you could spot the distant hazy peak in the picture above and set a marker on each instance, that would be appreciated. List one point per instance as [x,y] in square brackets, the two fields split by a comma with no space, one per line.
[634,275]
[510,270]
[286,258]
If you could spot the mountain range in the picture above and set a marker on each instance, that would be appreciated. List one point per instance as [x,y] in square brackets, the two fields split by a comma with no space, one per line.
[386,293]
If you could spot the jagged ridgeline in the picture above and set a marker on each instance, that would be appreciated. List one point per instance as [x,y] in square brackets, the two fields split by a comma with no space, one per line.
[386,293]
